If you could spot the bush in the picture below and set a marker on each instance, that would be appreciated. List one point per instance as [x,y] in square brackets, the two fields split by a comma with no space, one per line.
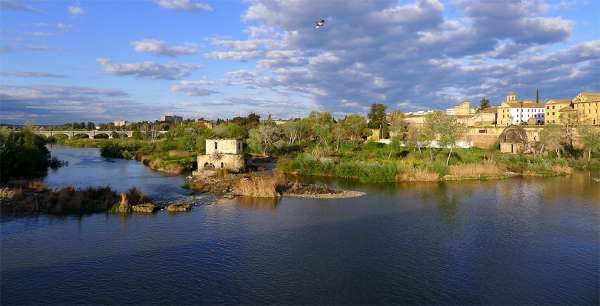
[23,154]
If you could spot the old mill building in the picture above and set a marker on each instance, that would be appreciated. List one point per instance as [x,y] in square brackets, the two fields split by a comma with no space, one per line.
[227,154]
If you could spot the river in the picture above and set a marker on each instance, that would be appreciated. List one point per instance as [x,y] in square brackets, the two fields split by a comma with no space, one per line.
[515,241]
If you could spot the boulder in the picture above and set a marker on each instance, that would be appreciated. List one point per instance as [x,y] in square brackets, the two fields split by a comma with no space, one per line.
[144,208]
[177,207]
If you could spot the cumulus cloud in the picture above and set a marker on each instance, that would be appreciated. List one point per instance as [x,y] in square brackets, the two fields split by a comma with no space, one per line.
[186,5]
[32,74]
[195,87]
[159,47]
[76,10]
[408,54]
[148,69]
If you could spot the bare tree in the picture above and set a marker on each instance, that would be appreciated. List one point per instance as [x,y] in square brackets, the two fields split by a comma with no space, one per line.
[590,138]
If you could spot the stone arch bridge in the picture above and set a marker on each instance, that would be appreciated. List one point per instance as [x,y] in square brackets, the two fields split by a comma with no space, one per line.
[90,134]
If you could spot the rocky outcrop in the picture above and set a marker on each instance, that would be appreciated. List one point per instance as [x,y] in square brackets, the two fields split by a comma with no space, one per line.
[147,208]
[179,207]
[134,201]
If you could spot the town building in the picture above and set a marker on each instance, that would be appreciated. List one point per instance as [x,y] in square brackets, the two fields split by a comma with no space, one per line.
[463,109]
[484,117]
[513,111]
[120,123]
[171,119]
[587,106]
[204,123]
[225,154]
[555,109]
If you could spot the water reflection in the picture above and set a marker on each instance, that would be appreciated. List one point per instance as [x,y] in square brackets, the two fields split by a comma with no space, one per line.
[514,241]
[258,203]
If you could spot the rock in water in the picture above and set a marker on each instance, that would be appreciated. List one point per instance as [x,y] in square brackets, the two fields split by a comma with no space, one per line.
[144,208]
[177,207]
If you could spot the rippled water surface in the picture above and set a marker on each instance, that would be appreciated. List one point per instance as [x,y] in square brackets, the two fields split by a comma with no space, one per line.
[517,241]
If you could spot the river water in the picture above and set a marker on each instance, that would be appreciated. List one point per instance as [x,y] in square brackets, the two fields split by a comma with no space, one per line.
[516,241]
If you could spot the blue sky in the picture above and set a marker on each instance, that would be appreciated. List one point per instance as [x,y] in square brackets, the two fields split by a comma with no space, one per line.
[104,60]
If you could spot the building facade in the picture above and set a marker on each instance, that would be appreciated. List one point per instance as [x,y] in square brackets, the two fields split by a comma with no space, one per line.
[513,111]
[587,106]
[225,154]
[171,119]
[554,110]
[120,123]
[463,109]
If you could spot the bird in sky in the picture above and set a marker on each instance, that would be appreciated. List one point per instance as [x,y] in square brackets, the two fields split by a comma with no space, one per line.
[319,24]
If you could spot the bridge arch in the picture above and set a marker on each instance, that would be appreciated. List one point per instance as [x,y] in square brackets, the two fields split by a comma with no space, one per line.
[60,136]
[101,136]
[82,135]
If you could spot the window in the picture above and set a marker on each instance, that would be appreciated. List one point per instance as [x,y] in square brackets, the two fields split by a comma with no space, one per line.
[215,145]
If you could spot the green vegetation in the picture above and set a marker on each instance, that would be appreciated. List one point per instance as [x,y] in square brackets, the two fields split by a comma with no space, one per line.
[320,145]
[23,155]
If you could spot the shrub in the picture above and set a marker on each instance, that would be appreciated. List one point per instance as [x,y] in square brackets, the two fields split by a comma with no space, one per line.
[23,154]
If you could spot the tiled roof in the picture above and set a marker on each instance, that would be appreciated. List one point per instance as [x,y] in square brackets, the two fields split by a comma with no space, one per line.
[558,101]
[523,104]
[589,96]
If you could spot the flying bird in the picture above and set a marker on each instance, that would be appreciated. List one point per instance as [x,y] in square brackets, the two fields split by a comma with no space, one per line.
[319,24]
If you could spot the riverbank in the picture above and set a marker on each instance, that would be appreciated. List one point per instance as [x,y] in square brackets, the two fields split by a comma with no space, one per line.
[380,164]
[33,197]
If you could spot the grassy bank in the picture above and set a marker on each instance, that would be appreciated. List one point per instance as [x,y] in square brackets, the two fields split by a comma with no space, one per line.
[379,163]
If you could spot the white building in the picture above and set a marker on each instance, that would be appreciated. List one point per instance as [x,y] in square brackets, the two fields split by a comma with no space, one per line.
[120,123]
[513,111]
[225,154]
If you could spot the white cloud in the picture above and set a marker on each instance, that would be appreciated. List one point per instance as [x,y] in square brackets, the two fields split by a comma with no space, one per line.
[76,10]
[195,87]
[410,51]
[186,5]
[148,69]
[159,47]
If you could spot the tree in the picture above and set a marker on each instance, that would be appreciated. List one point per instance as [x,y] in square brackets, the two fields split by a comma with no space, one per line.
[484,103]
[355,126]
[570,120]
[551,138]
[431,128]
[415,138]
[23,154]
[397,124]
[377,118]
[590,138]
[263,137]
[450,131]
[295,130]
[339,134]
[230,130]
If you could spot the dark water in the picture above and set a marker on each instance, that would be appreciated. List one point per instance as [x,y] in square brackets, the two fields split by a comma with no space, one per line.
[518,241]
[86,168]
